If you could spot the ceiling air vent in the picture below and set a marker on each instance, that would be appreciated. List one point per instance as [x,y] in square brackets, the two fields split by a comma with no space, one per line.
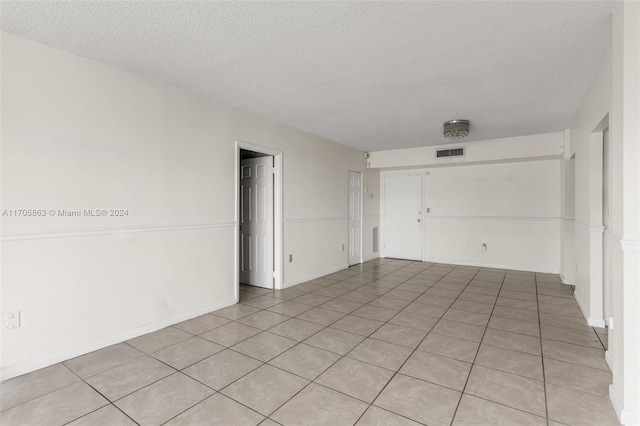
[456,152]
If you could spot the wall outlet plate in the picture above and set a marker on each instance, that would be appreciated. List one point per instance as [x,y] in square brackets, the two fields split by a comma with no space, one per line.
[12,320]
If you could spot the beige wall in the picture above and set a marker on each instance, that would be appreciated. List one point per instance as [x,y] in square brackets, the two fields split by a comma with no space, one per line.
[81,135]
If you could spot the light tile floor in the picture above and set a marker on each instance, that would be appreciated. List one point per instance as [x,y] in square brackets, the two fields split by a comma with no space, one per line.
[389,342]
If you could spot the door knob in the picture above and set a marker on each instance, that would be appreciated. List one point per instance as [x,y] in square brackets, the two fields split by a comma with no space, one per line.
[418,220]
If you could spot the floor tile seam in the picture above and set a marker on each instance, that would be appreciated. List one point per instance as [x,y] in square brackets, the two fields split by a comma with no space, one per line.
[365,362]
[542,322]
[504,405]
[357,334]
[600,339]
[225,346]
[299,319]
[573,363]
[113,402]
[129,362]
[346,394]
[90,412]
[511,349]
[578,364]
[558,296]
[404,373]
[253,409]
[497,314]
[197,335]
[473,363]
[143,354]
[544,370]
[209,396]
[390,411]
[145,386]
[297,375]
[230,383]
[510,372]
[414,350]
[524,309]
[465,323]
[561,315]
[571,343]
[516,332]
[581,390]
[263,331]
[193,363]
[304,387]
[80,379]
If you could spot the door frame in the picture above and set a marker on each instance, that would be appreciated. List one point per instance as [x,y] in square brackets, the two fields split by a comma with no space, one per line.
[595,229]
[277,214]
[349,171]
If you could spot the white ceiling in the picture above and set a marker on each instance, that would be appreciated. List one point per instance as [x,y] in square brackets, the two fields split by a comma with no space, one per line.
[372,75]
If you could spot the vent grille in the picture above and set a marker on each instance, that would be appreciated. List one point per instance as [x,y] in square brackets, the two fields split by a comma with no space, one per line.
[375,240]
[456,152]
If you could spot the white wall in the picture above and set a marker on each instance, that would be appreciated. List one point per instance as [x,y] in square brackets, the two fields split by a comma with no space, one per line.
[624,338]
[614,100]
[591,120]
[567,254]
[512,207]
[81,135]
[505,193]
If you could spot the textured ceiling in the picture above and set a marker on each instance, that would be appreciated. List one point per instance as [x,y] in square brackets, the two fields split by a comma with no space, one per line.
[372,75]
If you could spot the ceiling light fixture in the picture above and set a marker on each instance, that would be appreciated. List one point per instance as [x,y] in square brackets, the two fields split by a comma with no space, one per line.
[456,129]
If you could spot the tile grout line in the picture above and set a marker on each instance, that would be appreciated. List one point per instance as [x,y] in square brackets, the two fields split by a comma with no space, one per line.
[544,377]
[310,381]
[473,363]
[334,363]
[422,340]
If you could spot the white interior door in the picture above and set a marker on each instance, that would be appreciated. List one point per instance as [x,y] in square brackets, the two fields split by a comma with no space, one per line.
[403,232]
[355,217]
[256,222]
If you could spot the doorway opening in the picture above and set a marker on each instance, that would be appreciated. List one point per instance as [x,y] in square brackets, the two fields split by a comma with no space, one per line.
[259,217]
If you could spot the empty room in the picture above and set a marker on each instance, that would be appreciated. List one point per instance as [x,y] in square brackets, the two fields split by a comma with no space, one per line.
[320,213]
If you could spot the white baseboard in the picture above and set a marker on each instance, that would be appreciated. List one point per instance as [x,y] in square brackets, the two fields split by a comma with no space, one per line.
[608,360]
[615,401]
[599,323]
[626,417]
[376,256]
[36,364]
[314,276]
[593,322]
[491,265]
[568,281]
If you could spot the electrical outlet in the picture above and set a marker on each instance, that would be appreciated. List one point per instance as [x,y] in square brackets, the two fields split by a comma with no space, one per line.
[290,258]
[13,320]
[484,246]
[343,247]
